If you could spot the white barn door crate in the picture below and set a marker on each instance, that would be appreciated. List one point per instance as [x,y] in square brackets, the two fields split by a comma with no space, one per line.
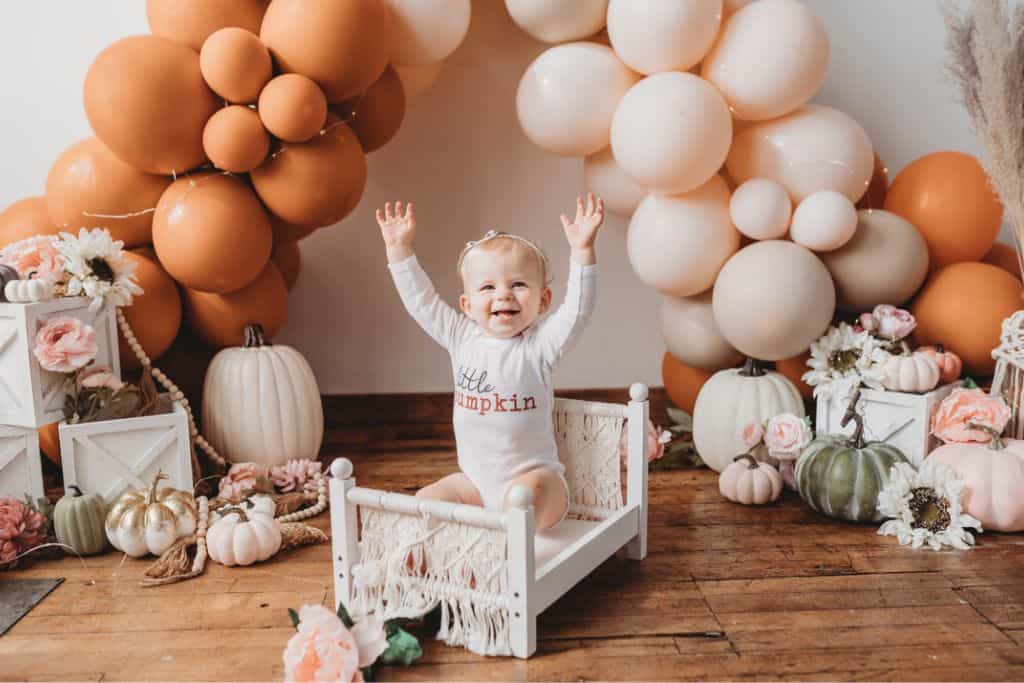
[112,456]
[29,395]
[21,471]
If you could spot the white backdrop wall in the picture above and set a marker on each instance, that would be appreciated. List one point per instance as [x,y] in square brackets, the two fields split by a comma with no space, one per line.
[461,158]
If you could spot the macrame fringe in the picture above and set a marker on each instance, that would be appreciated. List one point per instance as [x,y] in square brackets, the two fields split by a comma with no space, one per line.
[173,565]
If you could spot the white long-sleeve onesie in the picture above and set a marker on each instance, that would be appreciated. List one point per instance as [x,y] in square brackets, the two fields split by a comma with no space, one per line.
[504,394]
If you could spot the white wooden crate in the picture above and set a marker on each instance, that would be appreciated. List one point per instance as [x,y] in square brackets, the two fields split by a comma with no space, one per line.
[114,455]
[29,395]
[20,469]
[900,419]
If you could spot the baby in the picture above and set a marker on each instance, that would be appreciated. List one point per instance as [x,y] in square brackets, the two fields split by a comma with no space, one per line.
[502,356]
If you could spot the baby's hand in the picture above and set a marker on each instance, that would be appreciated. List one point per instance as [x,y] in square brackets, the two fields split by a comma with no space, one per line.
[397,230]
[582,231]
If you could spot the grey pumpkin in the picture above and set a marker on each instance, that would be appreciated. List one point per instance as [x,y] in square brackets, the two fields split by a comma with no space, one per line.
[78,521]
[7,274]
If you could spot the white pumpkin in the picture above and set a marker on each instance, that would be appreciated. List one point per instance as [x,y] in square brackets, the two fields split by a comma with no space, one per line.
[916,373]
[242,537]
[261,403]
[749,482]
[260,503]
[730,400]
[28,291]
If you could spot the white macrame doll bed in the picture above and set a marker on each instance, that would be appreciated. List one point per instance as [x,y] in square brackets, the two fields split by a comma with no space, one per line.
[491,572]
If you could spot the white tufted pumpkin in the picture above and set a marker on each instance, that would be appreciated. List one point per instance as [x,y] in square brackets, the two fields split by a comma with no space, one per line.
[243,537]
[731,399]
[261,403]
[916,373]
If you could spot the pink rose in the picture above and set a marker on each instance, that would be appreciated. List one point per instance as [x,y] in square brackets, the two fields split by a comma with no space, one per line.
[867,322]
[242,479]
[322,650]
[296,475]
[35,257]
[371,639]
[893,323]
[787,468]
[751,435]
[786,436]
[21,528]
[970,406]
[65,344]
[97,377]
[656,440]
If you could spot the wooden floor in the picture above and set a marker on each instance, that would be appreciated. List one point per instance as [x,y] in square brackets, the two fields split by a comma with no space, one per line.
[727,592]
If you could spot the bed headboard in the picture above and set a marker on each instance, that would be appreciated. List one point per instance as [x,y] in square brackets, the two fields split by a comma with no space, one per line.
[587,435]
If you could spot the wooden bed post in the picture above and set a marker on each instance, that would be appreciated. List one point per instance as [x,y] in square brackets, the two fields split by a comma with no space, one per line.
[521,572]
[344,530]
[636,466]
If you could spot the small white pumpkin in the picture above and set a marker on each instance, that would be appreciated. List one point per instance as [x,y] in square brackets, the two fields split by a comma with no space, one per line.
[916,373]
[243,537]
[148,521]
[28,291]
[260,503]
[749,482]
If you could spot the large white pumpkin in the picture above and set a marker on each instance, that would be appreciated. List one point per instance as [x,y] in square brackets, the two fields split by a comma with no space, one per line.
[731,399]
[261,403]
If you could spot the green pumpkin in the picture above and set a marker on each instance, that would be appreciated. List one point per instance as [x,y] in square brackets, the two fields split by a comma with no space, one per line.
[78,521]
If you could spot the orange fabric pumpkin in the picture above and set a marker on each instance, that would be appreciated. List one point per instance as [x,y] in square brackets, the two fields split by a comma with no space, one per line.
[950,365]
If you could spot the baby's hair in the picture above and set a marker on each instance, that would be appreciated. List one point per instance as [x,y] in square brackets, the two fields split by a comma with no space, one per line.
[503,242]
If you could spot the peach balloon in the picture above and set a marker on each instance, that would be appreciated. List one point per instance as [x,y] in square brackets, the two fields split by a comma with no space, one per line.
[731,7]
[147,252]
[761,209]
[652,36]
[772,299]
[288,260]
[558,21]
[235,64]
[606,179]
[155,315]
[884,262]
[427,31]
[376,115]
[89,187]
[691,334]
[567,96]
[343,46]
[770,58]
[793,369]
[682,383]
[314,183]
[211,233]
[824,221]
[814,148]
[147,101]
[677,244]
[878,187]
[962,306]
[947,197]
[292,107]
[416,80]
[286,232]
[25,218]
[193,21]
[235,140]
[49,442]
[1004,256]
[220,319]
[671,132]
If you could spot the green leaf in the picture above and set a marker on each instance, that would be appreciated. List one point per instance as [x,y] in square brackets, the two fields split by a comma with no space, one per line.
[969,383]
[369,673]
[344,616]
[403,648]
[295,617]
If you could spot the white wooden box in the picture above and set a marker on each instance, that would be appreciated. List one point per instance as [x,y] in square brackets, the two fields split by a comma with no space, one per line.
[29,395]
[900,419]
[20,469]
[114,455]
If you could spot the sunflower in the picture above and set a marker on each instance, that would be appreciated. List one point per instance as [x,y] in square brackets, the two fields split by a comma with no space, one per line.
[97,268]
[842,360]
[925,507]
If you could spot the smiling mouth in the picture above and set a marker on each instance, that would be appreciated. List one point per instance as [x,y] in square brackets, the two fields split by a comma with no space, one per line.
[505,314]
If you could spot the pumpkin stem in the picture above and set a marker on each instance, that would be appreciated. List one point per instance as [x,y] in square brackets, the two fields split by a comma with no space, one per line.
[754,464]
[752,368]
[939,348]
[996,444]
[151,498]
[72,491]
[857,438]
[254,337]
[242,517]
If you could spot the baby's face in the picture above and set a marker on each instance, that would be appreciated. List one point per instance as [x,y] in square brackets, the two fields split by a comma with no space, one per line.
[503,291]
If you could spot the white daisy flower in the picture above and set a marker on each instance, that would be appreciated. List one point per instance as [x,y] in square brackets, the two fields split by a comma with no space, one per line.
[97,268]
[926,507]
[842,360]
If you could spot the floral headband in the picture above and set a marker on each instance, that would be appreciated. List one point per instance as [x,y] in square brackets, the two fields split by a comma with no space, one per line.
[494,234]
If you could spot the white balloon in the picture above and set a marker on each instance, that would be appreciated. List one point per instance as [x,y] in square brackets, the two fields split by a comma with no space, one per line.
[652,36]
[691,334]
[824,221]
[568,95]
[604,177]
[417,79]
[427,31]
[677,244]
[558,21]
[671,132]
[760,209]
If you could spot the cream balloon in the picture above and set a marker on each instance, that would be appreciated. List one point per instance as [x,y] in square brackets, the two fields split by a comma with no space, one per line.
[691,334]
[652,36]
[772,299]
[427,31]
[824,221]
[770,58]
[417,79]
[604,177]
[558,21]
[671,132]
[814,148]
[761,209]
[567,97]
[677,244]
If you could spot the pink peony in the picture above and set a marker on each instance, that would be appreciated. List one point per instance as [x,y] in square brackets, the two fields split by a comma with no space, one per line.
[322,650]
[97,377]
[65,344]
[969,406]
[751,435]
[241,480]
[296,475]
[786,436]
[35,257]
[371,639]
[893,323]
[21,528]
[867,322]
[656,440]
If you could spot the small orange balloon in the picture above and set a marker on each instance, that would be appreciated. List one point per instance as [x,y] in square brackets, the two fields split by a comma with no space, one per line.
[211,233]
[49,442]
[286,232]
[220,319]
[235,64]
[314,183]
[89,187]
[193,21]
[878,187]
[682,383]
[292,107]
[947,197]
[793,369]
[288,260]
[147,252]
[235,140]
[186,363]
[155,315]
[25,218]
[962,307]
[1004,256]
[376,115]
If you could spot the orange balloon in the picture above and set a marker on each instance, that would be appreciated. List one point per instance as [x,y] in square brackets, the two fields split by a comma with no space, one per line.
[148,102]
[89,187]
[376,115]
[878,187]
[147,252]
[286,232]
[235,64]
[288,260]
[293,107]
[793,370]
[211,233]
[962,307]
[220,319]
[49,441]
[235,140]
[25,218]
[946,195]
[314,183]
[185,363]
[155,315]
[343,46]
[192,21]
[1004,256]
[682,383]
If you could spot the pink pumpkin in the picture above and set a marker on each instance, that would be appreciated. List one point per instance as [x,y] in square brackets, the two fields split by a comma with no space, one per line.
[750,482]
[993,480]
[950,365]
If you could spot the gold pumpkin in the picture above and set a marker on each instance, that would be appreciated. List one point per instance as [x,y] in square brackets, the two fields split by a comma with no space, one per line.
[147,521]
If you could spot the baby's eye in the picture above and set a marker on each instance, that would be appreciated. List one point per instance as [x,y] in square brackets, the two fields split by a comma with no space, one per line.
[519,284]
[486,288]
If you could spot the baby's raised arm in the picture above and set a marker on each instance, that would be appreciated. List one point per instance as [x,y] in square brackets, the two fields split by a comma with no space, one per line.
[397,230]
[582,232]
